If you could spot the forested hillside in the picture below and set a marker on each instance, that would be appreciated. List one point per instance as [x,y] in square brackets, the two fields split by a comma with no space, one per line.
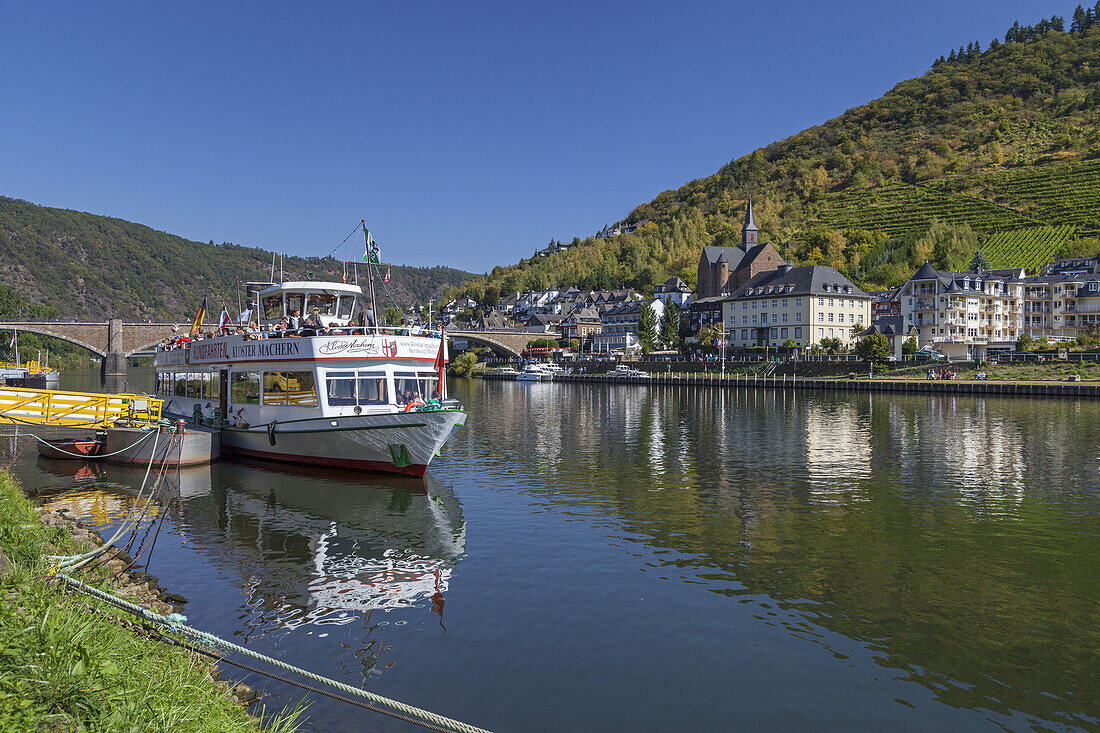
[69,264]
[987,141]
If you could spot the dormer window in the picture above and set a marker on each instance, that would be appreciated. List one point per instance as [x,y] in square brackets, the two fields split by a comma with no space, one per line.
[1092,287]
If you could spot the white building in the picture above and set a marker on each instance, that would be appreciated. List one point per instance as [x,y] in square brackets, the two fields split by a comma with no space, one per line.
[964,315]
[799,304]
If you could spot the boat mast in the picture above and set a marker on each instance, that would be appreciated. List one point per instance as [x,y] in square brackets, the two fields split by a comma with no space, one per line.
[370,255]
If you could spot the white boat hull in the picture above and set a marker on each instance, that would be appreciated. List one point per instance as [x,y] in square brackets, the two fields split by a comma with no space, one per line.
[402,443]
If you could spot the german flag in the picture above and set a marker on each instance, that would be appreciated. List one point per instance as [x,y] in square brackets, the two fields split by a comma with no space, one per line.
[199,317]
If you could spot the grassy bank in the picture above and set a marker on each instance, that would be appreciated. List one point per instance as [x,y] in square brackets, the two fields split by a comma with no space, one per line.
[67,667]
[1044,371]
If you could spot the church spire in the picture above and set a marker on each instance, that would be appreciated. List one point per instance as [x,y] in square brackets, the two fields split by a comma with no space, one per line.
[749,232]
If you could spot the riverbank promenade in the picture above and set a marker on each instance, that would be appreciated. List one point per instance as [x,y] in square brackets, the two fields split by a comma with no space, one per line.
[1079,390]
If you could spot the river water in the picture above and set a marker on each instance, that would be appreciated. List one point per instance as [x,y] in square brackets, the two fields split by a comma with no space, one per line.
[620,558]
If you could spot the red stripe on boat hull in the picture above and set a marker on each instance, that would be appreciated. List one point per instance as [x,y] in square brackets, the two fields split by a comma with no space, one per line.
[345,463]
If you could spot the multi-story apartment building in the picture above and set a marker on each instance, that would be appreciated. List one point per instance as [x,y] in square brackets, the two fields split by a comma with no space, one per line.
[964,314]
[1050,306]
[798,304]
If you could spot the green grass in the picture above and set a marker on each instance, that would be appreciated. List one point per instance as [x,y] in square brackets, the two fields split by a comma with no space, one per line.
[66,668]
[1047,371]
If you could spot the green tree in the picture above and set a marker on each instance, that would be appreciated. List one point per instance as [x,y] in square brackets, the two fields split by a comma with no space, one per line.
[831,345]
[647,328]
[463,364]
[670,326]
[910,346]
[393,315]
[873,348]
[1024,343]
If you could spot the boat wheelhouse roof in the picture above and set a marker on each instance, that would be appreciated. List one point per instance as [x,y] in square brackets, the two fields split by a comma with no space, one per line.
[313,286]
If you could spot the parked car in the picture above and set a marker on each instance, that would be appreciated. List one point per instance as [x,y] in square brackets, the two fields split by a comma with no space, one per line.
[927,353]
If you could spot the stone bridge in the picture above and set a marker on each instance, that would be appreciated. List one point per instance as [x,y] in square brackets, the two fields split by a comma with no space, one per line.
[508,343]
[113,340]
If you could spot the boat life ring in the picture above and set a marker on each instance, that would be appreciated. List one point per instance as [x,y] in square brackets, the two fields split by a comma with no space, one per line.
[413,404]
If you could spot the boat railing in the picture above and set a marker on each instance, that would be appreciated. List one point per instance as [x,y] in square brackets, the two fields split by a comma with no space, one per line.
[259,334]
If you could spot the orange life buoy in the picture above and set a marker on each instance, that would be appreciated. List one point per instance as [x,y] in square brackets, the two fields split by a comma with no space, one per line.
[413,404]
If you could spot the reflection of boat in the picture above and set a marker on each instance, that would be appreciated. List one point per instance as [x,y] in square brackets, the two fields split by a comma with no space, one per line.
[342,396]
[314,547]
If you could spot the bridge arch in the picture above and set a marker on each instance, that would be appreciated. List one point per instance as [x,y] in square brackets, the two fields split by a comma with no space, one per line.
[506,344]
[48,329]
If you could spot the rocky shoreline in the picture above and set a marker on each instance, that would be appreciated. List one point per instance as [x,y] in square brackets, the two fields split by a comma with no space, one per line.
[142,589]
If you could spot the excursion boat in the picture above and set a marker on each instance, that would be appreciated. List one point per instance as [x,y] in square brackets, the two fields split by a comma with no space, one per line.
[342,395]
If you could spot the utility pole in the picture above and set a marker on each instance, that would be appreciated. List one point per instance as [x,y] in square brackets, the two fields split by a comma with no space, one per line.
[430,301]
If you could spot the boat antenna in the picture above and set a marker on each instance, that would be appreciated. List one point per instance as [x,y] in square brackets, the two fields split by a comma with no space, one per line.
[282,277]
[272,278]
[239,308]
[371,256]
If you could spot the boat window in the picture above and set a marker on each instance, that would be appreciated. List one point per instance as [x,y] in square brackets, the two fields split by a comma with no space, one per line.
[290,389]
[194,385]
[347,305]
[372,389]
[340,388]
[273,307]
[323,302]
[244,388]
[295,302]
[409,385]
[181,385]
[211,385]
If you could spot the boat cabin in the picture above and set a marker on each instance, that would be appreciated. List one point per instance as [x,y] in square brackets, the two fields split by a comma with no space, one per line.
[335,302]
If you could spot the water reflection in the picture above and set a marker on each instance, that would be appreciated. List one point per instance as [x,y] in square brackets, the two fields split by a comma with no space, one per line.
[310,548]
[783,560]
[954,537]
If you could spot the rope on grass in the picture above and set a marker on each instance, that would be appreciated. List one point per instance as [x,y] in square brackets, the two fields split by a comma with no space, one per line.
[174,622]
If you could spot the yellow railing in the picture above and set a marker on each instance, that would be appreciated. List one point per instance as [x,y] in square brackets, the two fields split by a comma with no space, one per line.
[31,366]
[85,409]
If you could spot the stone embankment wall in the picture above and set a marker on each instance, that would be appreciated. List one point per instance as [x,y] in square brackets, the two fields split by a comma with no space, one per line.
[1022,389]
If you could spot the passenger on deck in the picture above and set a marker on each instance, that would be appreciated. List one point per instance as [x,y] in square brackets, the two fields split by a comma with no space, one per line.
[295,319]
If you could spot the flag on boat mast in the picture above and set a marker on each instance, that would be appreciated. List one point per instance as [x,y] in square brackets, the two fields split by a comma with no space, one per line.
[441,363]
[223,321]
[386,279]
[199,317]
[12,342]
[370,254]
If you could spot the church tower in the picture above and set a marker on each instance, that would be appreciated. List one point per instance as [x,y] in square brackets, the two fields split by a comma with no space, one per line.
[749,232]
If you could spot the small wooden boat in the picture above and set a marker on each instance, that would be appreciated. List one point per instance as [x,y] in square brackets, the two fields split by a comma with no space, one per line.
[72,449]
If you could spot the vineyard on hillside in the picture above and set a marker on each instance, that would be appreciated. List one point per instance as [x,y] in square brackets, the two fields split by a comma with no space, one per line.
[1027,248]
[1056,194]
[901,209]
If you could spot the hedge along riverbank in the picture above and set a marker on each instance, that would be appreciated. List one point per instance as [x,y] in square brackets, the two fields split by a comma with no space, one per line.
[66,663]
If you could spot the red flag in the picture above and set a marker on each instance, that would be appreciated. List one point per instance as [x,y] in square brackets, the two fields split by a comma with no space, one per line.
[441,364]
[386,279]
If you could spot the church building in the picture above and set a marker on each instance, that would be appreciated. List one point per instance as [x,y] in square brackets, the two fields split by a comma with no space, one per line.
[724,269]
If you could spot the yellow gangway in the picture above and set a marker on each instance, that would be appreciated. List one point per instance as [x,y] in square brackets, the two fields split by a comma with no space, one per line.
[77,409]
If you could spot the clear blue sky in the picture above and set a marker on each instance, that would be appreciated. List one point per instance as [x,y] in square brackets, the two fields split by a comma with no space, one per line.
[466,133]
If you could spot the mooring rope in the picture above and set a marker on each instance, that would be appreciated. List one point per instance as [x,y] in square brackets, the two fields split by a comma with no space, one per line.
[175,623]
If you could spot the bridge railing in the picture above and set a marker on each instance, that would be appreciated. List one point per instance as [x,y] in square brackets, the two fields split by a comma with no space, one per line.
[77,409]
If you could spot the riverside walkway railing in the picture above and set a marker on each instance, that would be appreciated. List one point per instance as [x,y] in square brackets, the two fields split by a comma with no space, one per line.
[77,409]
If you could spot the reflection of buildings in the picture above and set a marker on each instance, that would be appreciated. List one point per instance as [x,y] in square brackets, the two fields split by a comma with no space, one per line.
[838,445]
